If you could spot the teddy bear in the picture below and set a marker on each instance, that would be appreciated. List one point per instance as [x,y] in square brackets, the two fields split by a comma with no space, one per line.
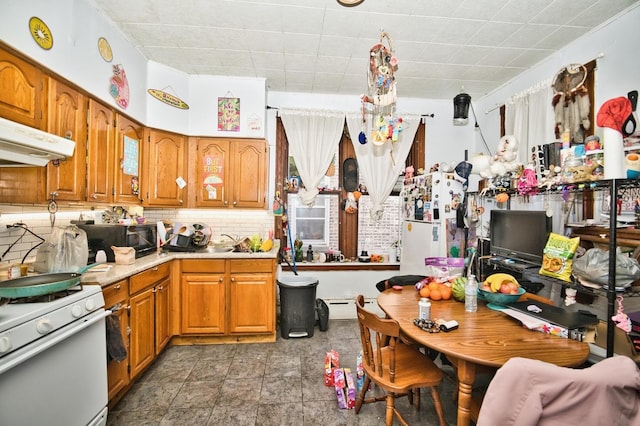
[505,160]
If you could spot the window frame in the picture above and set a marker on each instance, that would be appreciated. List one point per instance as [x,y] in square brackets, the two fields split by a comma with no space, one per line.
[347,223]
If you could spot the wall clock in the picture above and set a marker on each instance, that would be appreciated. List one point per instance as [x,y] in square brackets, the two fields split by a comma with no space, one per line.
[40,33]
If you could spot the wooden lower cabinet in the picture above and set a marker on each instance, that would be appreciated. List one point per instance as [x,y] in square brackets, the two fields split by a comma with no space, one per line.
[251,297]
[228,297]
[149,316]
[116,298]
[203,293]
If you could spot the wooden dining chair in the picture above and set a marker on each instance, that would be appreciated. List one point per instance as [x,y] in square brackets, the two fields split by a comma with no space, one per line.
[399,369]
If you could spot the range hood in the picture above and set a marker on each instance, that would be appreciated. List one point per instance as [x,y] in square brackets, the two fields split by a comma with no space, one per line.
[23,146]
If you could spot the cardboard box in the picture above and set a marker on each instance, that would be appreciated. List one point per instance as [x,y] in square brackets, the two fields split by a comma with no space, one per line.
[345,388]
[622,344]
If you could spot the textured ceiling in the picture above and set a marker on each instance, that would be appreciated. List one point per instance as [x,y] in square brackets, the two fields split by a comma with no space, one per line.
[319,46]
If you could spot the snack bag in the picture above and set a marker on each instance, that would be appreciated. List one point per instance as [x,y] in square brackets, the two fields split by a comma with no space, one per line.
[359,373]
[350,389]
[557,257]
[331,362]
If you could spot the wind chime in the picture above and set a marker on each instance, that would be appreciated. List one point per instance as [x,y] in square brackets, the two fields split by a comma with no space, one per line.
[380,102]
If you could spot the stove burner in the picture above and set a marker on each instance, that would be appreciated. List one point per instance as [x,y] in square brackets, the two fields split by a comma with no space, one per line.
[45,298]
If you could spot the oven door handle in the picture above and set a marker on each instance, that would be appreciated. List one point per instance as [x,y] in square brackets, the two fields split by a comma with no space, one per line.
[55,339]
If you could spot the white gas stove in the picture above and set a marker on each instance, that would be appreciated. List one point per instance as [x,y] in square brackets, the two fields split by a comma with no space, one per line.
[53,351]
[26,320]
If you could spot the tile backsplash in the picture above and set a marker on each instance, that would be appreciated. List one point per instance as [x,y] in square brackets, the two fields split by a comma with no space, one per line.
[15,243]
[14,246]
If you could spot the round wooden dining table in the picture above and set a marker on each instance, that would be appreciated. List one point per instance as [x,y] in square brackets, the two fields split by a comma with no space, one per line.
[486,338]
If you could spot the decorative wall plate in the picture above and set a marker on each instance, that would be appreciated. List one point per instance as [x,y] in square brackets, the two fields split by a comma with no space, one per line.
[40,33]
[105,49]
[168,98]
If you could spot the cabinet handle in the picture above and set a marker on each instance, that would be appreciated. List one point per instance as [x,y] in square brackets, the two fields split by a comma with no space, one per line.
[235,202]
[233,280]
[226,202]
[117,287]
[160,288]
[155,268]
[220,279]
[94,196]
[179,201]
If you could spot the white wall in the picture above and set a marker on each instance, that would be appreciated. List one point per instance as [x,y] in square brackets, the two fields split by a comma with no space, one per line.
[617,71]
[76,27]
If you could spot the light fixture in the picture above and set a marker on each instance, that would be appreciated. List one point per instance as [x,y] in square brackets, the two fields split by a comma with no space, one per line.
[461,109]
[350,3]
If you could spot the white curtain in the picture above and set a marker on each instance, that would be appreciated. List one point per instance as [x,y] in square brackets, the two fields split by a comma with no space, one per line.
[380,166]
[529,117]
[313,137]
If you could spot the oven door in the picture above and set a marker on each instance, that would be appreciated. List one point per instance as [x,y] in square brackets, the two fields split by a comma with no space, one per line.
[61,379]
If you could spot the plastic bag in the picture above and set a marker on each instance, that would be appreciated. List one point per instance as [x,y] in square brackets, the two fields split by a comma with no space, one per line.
[66,250]
[593,267]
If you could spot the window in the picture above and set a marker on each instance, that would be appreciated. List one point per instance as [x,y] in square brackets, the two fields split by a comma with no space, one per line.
[313,225]
[327,225]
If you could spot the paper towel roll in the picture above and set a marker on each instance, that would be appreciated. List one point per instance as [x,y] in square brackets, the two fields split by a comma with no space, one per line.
[613,154]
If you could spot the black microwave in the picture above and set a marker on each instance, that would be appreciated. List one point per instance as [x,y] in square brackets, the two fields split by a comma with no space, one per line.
[102,237]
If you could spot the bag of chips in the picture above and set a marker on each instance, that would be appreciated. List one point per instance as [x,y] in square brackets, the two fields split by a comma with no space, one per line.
[557,257]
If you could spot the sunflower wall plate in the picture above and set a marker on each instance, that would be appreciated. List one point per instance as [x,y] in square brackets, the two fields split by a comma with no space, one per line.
[105,49]
[41,33]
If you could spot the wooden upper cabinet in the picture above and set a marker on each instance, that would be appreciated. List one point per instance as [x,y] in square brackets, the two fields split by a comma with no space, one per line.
[129,137]
[67,117]
[164,165]
[212,172]
[231,172]
[22,91]
[250,159]
[100,153]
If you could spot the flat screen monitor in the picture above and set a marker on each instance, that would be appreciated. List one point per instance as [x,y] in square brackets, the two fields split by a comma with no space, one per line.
[519,234]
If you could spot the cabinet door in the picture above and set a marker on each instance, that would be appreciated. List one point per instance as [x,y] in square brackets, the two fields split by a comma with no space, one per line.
[249,173]
[163,332]
[22,99]
[22,91]
[213,174]
[100,153]
[203,303]
[164,163]
[128,147]
[142,339]
[252,303]
[116,298]
[66,179]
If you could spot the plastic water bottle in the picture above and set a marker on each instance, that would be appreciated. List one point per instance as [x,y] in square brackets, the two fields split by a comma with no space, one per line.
[471,294]
[424,309]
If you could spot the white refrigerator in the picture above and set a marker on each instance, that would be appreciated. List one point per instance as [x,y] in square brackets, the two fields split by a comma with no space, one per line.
[430,205]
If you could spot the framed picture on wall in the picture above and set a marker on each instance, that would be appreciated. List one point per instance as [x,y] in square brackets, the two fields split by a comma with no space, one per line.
[229,114]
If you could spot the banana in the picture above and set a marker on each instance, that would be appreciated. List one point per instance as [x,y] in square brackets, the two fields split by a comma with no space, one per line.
[494,281]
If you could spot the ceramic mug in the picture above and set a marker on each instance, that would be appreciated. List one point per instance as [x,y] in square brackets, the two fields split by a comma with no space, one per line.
[338,256]
[632,164]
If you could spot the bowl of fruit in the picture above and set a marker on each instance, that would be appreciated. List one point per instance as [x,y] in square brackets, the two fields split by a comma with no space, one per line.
[500,290]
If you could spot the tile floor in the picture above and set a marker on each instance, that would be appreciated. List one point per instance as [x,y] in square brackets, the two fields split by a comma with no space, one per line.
[259,384]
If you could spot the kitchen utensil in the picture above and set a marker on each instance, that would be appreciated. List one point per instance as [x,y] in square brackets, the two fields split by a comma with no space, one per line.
[38,285]
[180,231]
[239,244]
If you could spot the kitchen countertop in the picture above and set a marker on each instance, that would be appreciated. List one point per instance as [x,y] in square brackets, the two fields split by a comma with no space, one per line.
[119,272]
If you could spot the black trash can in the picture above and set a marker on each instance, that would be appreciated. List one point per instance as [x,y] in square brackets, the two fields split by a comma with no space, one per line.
[297,305]
[322,312]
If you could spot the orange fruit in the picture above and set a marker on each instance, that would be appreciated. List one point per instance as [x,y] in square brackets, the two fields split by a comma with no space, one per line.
[434,285]
[435,294]
[446,292]
[424,291]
